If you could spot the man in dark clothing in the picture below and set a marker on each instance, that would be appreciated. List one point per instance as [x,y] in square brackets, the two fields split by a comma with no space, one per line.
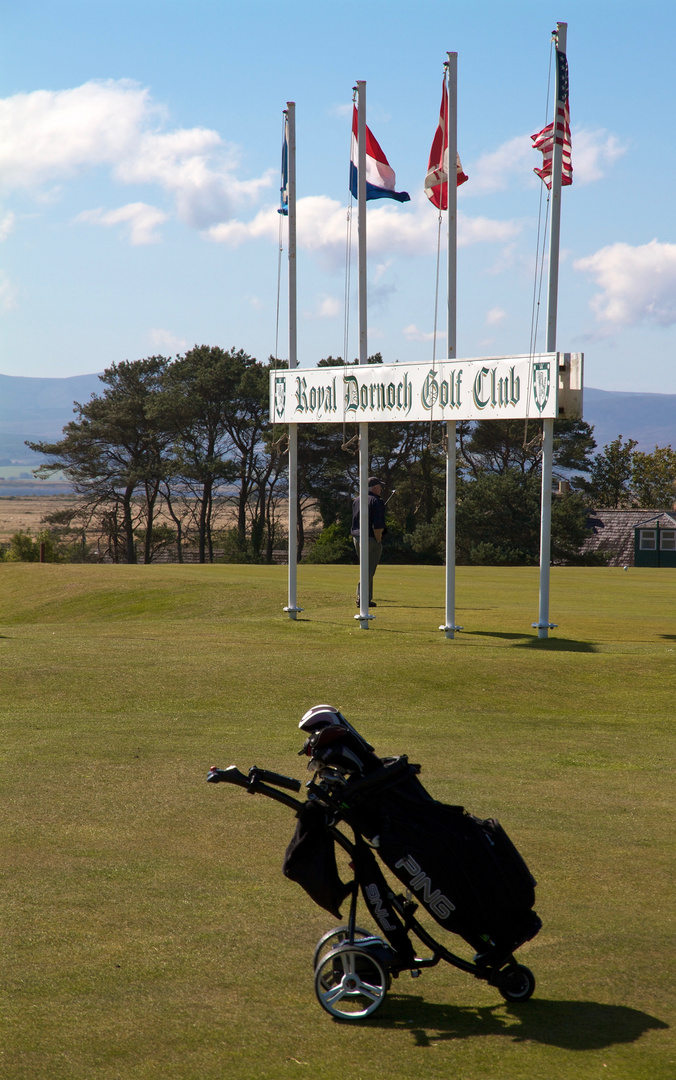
[376,530]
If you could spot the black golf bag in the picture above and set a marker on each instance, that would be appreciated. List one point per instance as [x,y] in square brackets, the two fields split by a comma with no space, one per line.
[464,871]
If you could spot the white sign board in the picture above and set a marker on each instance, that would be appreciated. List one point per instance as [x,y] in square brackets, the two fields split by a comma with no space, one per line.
[497,388]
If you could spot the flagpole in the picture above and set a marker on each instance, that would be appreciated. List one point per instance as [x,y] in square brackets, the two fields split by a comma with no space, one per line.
[364,617]
[292,608]
[543,624]
[449,627]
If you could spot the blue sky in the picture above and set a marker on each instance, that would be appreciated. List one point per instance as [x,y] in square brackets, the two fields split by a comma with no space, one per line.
[139,161]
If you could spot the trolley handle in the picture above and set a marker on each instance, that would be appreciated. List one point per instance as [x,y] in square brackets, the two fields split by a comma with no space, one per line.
[231,775]
[255,784]
[257,776]
[252,782]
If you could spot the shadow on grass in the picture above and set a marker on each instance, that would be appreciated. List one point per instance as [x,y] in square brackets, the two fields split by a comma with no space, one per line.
[570,1025]
[557,645]
[496,634]
[532,641]
[408,607]
[668,637]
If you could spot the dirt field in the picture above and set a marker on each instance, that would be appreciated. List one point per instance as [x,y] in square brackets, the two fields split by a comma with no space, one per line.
[26,512]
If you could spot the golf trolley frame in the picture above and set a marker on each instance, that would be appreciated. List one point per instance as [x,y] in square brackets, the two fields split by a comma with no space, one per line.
[353,967]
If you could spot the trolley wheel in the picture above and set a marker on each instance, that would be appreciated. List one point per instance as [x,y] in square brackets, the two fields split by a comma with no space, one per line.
[333,938]
[516,983]
[350,983]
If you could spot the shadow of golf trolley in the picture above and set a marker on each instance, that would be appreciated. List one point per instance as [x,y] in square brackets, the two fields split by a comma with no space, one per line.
[465,872]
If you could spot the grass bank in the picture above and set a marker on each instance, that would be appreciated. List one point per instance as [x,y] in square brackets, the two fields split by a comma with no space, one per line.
[147,928]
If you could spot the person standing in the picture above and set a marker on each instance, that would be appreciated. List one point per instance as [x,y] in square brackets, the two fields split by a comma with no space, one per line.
[376,530]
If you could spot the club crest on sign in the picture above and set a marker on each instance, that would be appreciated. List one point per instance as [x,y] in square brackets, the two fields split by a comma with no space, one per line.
[541,384]
[280,394]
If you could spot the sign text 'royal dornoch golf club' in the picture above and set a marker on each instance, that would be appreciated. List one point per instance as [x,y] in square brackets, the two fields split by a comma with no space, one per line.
[546,386]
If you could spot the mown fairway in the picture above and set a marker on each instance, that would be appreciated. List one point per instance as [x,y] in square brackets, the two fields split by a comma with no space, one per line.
[147,929]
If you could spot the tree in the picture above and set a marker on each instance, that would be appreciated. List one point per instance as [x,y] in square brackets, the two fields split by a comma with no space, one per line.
[115,448]
[24,548]
[499,446]
[653,477]
[328,472]
[214,405]
[498,523]
[67,530]
[192,407]
[611,473]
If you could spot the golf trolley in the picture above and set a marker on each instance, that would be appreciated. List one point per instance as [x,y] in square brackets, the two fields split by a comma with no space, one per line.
[465,872]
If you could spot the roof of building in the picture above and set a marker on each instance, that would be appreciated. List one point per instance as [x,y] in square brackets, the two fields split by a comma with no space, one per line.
[613,531]
[663,518]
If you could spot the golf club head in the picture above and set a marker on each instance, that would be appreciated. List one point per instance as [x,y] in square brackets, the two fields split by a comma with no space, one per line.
[323,716]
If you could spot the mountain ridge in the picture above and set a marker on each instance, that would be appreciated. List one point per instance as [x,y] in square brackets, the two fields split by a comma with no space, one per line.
[39,408]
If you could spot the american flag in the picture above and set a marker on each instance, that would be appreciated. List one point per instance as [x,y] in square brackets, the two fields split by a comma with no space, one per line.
[544,140]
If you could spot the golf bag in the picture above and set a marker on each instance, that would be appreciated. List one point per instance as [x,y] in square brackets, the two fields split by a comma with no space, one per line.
[463,870]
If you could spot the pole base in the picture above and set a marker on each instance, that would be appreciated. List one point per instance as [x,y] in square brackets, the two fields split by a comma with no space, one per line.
[364,618]
[544,625]
[292,612]
[450,626]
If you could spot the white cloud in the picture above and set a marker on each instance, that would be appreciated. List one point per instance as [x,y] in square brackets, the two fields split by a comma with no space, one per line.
[379,296]
[181,162]
[637,283]
[495,316]
[142,220]
[321,228]
[7,293]
[7,225]
[412,333]
[482,230]
[326,307]
[496,170]
[265,225]
[381,269]
[594,150]
[47,137]
[506,259]
[166,342]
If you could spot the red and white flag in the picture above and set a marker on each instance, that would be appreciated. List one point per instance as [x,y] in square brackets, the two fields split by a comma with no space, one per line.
[436,181]
[547,138]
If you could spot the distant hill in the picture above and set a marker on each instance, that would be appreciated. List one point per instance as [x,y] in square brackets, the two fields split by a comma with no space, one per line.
[39,408]
[648,418]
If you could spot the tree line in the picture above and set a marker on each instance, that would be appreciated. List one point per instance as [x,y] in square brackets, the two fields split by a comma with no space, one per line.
[179,454]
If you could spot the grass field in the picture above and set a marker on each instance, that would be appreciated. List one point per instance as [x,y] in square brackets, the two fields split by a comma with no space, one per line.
[147,930]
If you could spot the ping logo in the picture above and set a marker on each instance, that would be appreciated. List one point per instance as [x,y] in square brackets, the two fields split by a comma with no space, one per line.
[379,912]
[436,901]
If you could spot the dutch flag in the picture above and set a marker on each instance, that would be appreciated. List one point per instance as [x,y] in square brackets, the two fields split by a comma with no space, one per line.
[380,179]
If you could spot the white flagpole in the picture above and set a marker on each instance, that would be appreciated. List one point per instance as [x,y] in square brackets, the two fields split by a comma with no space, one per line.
[543,624]
[449,627]
[292,608]
[364,617]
